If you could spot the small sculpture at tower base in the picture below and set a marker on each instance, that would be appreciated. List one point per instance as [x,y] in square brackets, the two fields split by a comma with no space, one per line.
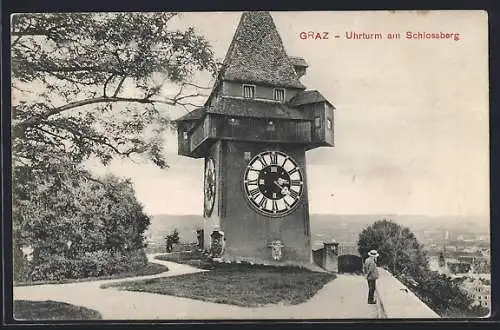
[217,242]
[276,250]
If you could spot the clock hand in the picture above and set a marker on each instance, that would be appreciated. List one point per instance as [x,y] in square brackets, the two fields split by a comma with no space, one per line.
[284,190]
[282,181]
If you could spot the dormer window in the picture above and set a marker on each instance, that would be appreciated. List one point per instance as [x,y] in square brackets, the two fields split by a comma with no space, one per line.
[279,94]
[249,91]
[328,123]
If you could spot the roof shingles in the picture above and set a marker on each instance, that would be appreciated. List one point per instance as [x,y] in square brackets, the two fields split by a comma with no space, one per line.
[253,108]
[257,55]
[307,97]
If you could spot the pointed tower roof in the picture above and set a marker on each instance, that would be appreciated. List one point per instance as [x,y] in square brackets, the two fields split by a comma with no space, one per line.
[256,54]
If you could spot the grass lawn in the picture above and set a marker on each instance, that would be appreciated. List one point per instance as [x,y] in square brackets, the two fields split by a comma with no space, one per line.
[52,310]
[192,258]
[150,269]
[242,285]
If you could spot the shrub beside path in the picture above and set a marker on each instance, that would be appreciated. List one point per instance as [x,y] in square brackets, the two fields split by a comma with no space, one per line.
[345,297]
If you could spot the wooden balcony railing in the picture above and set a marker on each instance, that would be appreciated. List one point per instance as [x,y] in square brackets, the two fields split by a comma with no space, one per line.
[251,129]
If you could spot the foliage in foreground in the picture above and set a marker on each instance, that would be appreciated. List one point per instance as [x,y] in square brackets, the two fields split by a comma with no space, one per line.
[97,83]
[52,310]
[242,285]
[403,256]
[443,295]
[77,228]
[150,269]
[89,86]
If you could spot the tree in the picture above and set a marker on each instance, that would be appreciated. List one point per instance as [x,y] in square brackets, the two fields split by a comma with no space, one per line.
[398,247]
[76,225]
[94,83]
[171,239]
[444,295]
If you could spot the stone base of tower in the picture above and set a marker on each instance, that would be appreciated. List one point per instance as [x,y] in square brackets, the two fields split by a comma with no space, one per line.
[226,258]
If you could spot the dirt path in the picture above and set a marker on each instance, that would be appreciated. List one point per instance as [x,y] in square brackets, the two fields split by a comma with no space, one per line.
[345,297]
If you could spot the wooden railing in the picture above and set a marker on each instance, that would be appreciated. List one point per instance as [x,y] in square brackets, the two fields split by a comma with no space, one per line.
[251,129]
[261,129]
[199,134]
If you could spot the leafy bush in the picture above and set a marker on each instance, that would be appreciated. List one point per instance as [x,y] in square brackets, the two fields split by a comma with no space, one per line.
[90,264]
[398,247]
[443,295]
[78,228]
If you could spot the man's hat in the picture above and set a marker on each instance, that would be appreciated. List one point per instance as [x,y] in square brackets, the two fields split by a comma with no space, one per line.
[373,253]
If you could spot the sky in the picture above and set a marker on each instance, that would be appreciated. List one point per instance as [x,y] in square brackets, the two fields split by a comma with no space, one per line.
[411,120]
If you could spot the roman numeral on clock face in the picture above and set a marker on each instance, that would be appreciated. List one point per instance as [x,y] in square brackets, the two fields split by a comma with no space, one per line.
[294,194]
[263,202]
[262,161]
[292,171]
[274,158]
[275,206]
[254,192]
[295,182]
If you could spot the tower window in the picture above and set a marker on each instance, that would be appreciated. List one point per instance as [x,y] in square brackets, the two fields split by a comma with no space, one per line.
[185,135]
[279,94]
[270,126]
[317,122]
[248,91]
[234,121]
[328,123]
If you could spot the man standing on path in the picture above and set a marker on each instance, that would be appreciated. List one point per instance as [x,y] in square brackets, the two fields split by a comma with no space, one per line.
[371,272]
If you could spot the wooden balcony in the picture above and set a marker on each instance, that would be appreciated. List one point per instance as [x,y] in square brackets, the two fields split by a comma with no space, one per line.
[213,127]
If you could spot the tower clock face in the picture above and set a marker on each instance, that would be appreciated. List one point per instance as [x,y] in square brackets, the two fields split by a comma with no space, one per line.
[209,186]
[273,183]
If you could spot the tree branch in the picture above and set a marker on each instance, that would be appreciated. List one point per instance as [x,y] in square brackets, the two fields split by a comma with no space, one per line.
[82,135]
[119,86]
[106,84]
[50,133]
[76,104]
[197,86]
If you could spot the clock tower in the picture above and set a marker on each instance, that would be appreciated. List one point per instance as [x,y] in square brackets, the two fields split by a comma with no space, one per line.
[253,132]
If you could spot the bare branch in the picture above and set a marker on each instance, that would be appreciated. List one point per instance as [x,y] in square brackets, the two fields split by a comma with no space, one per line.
[50,133]
[197,86]
[106,84]
[179,92]
[119,86]
[90,178]
[76,104]
[94,68]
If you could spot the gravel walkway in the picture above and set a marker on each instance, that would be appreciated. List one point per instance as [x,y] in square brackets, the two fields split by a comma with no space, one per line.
[345,297]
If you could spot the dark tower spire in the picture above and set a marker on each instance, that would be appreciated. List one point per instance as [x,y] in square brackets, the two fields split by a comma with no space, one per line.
[257,55]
